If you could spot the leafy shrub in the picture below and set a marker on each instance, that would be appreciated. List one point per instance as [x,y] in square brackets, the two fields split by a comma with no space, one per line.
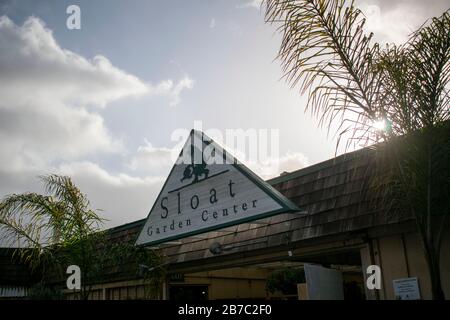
[285,280]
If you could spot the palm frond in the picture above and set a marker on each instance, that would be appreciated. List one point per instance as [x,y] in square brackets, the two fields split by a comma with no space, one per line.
[429,53]
[324,49]
[415,78]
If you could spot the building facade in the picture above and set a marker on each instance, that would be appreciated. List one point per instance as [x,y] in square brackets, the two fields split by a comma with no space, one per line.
[338,226]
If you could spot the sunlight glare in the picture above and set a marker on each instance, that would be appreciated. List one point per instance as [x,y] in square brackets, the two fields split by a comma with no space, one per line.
[380,125]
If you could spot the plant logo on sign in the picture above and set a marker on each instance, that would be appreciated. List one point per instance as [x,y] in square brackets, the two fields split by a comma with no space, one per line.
[195,170]
[208,189]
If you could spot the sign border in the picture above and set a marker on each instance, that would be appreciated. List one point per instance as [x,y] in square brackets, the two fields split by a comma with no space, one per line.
[287,206]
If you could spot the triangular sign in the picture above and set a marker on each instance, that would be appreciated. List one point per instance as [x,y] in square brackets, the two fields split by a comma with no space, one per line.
[208,189]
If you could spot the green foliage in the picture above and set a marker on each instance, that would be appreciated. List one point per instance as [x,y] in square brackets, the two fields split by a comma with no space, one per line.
[48,222]
[40,291]
[411,168]
[60,230]
[353,83]
[285,280]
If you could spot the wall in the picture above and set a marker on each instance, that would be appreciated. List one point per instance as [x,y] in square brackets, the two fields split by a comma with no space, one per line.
[401,256]
[234,283]
[123,290]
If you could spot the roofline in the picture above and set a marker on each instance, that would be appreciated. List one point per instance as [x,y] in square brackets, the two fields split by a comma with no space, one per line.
[126,226]
[316,167]
[273,181]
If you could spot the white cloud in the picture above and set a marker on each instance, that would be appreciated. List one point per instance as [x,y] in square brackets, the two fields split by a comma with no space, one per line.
[174,91]
[391,21]
[385,23]
[273,167]
[149,159]
[255,4]
[47,94]
[394,21]
[32,62]
[50,120]
[45,90]
[171,90]
[38,133]
[121,197]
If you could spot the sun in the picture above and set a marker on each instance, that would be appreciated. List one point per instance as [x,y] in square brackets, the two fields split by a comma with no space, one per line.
[380,125]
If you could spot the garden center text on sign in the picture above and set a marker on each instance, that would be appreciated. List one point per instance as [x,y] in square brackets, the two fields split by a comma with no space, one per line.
[201,195]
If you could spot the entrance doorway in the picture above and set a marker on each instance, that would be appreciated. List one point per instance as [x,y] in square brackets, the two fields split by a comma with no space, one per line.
[259,281]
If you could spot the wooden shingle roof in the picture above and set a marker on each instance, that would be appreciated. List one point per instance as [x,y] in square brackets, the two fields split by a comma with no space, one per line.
[333,200]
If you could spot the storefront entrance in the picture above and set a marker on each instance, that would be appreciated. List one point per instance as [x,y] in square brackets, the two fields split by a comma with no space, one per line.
[278,280]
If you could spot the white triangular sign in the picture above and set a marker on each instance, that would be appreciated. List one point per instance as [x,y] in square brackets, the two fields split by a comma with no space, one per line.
[208,189]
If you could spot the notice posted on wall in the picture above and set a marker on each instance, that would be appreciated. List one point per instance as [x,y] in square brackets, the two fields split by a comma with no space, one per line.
[406,289]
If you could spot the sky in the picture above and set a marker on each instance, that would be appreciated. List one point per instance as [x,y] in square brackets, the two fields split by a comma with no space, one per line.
[100,103]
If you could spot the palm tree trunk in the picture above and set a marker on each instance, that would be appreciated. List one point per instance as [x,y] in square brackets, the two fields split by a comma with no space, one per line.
[432,244]
[433,261]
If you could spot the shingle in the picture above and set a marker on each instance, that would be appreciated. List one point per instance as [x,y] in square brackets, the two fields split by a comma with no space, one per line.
[330,192]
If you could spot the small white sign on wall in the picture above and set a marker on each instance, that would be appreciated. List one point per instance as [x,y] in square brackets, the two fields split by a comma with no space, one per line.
[406,289]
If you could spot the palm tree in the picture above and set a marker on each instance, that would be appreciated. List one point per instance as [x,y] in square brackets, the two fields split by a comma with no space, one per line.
[362,87]
[55,229]
[59,229]
[45,222]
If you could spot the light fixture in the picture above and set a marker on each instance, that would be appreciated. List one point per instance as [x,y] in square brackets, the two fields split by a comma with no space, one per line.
[142,268]
[217,248]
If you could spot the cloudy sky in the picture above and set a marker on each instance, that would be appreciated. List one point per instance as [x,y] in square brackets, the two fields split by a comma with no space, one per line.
[100,103]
